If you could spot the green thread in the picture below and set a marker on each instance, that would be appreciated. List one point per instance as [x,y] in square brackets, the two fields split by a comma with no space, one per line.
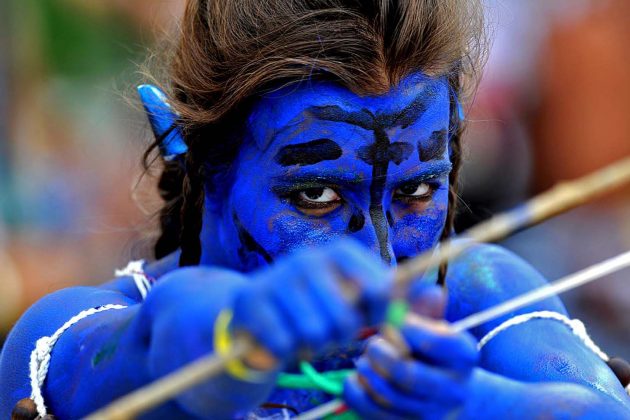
[326,384]
[396,312]
[301,381]
[346,415]
[331,382]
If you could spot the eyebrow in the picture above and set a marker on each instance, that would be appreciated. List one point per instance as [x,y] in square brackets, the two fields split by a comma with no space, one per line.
[433,148]
[288,183]
[308,153]
[431,170]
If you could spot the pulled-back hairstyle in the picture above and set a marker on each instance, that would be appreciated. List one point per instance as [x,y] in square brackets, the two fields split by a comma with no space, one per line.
[231,51]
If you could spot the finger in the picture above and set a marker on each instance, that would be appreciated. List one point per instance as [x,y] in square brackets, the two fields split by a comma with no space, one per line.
[434,342]
[163,121]
[414,377]
[369,275]
[357,399]
[294,300]
[387,396]
[343,320]
[427,300]
[259,318]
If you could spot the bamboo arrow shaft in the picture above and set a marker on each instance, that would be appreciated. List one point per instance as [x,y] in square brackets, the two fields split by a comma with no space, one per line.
[563,197]
[587,275]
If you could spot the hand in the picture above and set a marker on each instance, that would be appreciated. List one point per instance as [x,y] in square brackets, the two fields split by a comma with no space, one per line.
[432,383]
[314,298]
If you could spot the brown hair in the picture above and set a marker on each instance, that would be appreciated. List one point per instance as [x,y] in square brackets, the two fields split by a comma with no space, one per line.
[230,51]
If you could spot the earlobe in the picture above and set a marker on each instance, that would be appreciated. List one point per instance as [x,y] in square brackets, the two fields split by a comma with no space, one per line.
[163,122]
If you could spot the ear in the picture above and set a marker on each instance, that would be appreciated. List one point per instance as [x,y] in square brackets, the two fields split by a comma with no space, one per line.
[163,122]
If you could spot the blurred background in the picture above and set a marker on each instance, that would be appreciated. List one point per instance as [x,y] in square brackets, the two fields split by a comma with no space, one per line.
[553,104]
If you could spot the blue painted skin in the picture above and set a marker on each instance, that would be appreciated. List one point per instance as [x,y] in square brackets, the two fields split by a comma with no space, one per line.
[310,193]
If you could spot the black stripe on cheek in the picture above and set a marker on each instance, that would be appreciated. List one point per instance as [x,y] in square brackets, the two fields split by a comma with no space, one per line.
[433,148]
[308,153]
[248,243]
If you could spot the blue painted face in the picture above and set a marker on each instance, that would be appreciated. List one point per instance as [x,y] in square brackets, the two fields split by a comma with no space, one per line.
[319,162]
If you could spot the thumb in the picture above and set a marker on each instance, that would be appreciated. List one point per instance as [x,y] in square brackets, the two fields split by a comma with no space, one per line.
[428,301]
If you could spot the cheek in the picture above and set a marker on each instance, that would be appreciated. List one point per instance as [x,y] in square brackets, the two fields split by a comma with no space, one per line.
[414,233]
[263,226]
[292,230]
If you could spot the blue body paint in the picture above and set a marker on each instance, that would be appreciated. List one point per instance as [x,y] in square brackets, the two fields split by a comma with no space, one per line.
[320,135]
[318,164]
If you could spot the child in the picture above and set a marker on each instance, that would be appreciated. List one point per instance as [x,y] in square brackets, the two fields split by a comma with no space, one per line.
[310,146]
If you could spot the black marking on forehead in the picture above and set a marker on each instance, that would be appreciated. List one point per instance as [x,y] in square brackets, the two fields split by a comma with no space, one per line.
[357,221]
[362,118]
[412,112]
[396,152]
[308,153]
[380,153]
[367,120]
[433,148]
[248,243]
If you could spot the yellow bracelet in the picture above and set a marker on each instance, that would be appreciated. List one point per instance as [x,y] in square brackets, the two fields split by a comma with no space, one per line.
[223,347]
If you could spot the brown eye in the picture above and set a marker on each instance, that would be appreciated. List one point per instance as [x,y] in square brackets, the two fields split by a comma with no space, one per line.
[319,195]
[417,191]
[316,201]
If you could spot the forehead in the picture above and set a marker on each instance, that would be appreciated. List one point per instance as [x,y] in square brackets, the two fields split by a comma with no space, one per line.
[290,113]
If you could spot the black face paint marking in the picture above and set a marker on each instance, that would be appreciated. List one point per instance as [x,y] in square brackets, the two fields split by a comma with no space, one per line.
[308,153]
[411,112]
[379,180]
[362,118]
[381,152]
[357,221]
[434,147]
[390,219]
[248,243]
[397,152]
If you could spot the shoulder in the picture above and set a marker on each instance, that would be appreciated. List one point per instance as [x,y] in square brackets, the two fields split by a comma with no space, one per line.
[42,319]
[486,275]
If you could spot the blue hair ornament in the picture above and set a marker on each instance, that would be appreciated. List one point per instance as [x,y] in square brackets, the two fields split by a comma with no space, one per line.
[163,122]
[460,111]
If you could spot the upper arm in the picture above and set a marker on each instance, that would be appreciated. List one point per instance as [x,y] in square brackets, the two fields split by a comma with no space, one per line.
[537,350]
[487,275]
[43,319]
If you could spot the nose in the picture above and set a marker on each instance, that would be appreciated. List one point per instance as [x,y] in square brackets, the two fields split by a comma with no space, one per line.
[374,232]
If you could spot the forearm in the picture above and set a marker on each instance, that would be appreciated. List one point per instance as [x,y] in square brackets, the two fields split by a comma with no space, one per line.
[117,352]
[495,396]
[111,353]
[186,332]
